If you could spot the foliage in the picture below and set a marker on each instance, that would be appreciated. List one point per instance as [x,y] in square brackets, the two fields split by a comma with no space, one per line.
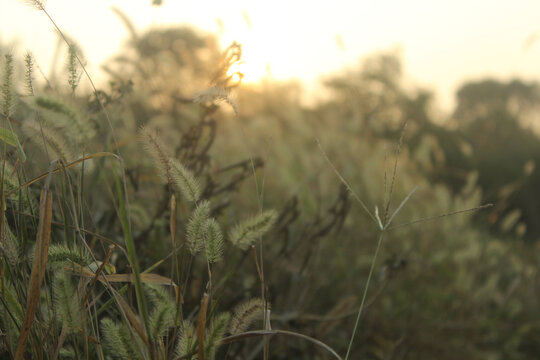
[173,252]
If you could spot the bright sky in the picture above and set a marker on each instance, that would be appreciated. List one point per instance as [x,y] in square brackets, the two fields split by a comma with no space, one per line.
[442,43]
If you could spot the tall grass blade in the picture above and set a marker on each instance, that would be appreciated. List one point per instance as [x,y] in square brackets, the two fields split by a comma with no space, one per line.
[38,269]
[201,324]
[131,317]
[10,138]
[130,248]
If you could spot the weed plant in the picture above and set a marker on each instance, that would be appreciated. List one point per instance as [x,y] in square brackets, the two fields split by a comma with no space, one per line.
[131,229]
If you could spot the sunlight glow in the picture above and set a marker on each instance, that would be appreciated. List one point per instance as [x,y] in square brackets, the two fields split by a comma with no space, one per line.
[251,71]
[237,77]
[236,72]
[437,54]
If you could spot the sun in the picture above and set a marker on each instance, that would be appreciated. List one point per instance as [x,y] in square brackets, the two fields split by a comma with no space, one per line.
[236,71]
[247,71]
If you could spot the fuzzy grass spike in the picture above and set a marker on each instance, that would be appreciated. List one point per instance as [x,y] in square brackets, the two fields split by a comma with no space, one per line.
[196,227]
[66,302]
[246,314]
[187,339]
[213,241]
[6,89]
[185,181]
[215,334]
[155,147]
[245,233]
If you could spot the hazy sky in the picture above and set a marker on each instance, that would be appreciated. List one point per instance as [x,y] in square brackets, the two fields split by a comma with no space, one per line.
[442,43]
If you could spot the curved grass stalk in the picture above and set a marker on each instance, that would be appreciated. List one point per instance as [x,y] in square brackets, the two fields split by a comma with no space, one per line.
[266,333]
[62,168]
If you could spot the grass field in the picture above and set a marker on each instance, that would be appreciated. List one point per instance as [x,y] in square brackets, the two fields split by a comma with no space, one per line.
[204,219]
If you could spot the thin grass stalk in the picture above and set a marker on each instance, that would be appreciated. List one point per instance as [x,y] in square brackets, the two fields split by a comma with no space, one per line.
[2,204]
[78,232]
[81,194]
[210,282]
[105,112]
[88,232]
[373,261]
[394,173]
[266,349]
[98,273]
[349,188]
[259,200]
[124,288]
[184,278]
[81,225]
[430,218]
[125,224]
[175,268]
[62,168]
[132,255]
[172,227]
[76,211]
[265,333]
[2,218]
[63,209]
[61,339]
[29,80]
[91,309]
[130,316]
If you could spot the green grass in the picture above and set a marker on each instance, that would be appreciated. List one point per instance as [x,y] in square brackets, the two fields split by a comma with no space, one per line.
[138,223]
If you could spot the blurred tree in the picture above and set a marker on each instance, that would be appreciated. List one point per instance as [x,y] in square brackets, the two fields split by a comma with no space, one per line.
[493,131]
[171,64]
[498,120]
[475,100]
[368,98]
[374,103]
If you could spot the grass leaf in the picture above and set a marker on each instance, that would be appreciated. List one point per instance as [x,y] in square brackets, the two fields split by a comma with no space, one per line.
[38,269]
[10,138]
